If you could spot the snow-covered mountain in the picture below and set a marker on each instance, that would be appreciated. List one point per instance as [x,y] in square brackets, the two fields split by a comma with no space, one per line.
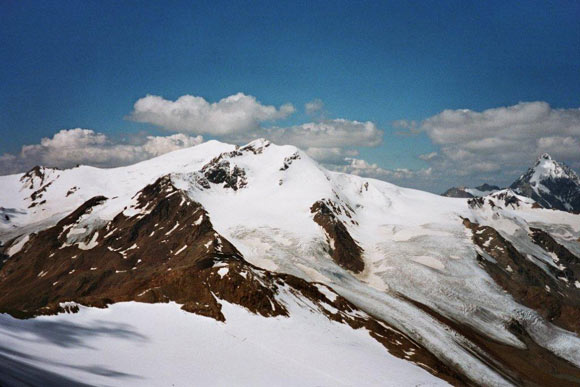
[552,184]
[549,183]
[427,289]
[466,192]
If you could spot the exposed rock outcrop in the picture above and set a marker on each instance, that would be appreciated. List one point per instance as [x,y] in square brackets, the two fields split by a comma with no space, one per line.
[343,248]
[548,291]
[289,160]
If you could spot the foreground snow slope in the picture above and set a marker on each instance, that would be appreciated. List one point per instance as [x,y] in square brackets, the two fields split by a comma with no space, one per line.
[159,344]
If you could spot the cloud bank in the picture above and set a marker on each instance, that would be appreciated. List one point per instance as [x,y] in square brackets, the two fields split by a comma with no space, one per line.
[502,142]
[191,114]
[239,119]
[363,168]
[70,147]
[494,145]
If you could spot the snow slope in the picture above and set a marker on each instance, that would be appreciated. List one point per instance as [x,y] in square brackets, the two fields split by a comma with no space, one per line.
[142,344]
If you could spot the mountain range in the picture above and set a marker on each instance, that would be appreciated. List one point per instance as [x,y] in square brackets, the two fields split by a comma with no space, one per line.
[255,265]
[550,183]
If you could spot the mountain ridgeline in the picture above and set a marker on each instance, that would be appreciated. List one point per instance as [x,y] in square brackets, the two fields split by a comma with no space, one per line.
[551,184]
[484,291]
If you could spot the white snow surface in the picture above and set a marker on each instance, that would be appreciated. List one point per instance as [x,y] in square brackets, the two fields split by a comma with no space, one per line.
[134,344]
[414,242]
[547,168]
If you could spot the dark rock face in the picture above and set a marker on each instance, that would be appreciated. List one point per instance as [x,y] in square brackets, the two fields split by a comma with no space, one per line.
[288,161]
[221,172]
[568,263]
[461,192]
[256,147]
[34,178]
[551,293]
[167,251]
[343,248]
[487,187]
[560,191]
[37,180]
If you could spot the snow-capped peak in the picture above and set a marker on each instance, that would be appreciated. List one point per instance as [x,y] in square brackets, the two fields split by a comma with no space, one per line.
[550,183]
[546,167]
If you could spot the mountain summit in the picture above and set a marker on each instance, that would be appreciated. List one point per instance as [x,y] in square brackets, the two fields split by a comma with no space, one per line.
[550,183]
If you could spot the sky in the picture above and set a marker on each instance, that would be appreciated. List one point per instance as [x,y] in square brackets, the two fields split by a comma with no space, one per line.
[425,94]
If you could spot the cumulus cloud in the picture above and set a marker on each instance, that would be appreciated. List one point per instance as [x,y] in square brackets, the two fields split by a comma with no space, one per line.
[328,134]
[314,107]
[191,114]
[406,128]
[428,156]
[238,119]
[68,148]
[333,156]
[158,145]
[328,141]
[363,168]
[500,143]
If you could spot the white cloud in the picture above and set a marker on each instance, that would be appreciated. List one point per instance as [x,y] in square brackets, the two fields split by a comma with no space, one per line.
[233,114]
[68,148]
[335,155]
[238,118]
[498,144]
[566,147]
[328,141]
[328,134]
[363,168]
[158,145]
[235,119]
[428,156]
[314,107]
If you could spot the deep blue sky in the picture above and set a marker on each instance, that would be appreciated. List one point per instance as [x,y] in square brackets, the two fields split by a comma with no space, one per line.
[84,63]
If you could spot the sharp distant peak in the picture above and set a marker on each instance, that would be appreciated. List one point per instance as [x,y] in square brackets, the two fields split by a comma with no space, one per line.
[544,156]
